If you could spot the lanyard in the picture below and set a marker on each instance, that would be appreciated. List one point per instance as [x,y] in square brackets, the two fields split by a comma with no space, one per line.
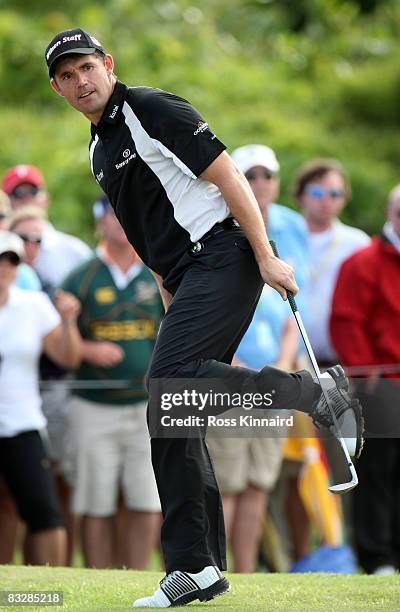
[317,270]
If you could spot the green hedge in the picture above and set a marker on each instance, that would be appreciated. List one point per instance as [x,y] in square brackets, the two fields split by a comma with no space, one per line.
[309,78]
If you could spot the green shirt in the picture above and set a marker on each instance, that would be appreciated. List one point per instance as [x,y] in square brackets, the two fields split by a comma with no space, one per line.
[129,317]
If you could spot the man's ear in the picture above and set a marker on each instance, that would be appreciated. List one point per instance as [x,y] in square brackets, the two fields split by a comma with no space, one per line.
[54,85]
[300,201]
[109,63]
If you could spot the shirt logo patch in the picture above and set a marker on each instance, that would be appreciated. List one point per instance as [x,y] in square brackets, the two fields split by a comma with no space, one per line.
[201,127]
[105,295]
[114,112]
[145,291]
[126,161]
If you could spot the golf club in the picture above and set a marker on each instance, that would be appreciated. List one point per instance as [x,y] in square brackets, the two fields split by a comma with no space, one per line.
[345,486]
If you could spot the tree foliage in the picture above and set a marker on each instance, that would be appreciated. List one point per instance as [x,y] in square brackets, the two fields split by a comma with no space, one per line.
[308,77]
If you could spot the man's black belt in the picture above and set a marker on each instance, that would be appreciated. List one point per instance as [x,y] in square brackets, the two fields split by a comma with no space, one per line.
[225,225]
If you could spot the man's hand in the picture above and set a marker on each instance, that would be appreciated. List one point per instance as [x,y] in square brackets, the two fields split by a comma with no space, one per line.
[240,199]
[67,305]
[278,274]
[102,353]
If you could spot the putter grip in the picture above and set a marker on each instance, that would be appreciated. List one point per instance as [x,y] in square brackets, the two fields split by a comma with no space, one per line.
[290,295]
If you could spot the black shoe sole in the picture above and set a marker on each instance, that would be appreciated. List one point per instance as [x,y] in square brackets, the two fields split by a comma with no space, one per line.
[356,406]
[218,588]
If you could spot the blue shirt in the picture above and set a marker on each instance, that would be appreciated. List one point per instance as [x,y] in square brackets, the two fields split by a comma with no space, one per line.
[261,343]
[27,278]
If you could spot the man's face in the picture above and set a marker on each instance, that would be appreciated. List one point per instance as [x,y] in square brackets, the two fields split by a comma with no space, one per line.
[26,193]
[323,199]
[8,269]
[31,232]
[111,230]
[393,214]
[264,184]
[86,82]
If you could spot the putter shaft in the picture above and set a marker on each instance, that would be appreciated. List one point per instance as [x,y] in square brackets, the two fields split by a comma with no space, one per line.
[345,486]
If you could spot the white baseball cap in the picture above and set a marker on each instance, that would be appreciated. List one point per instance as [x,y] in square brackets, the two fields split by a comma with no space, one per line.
[255,155]
[11,243]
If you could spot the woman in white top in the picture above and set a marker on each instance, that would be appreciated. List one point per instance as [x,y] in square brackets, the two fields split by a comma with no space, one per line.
[30,324]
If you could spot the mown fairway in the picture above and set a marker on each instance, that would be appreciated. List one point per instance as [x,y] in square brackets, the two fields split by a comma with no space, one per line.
[98,590]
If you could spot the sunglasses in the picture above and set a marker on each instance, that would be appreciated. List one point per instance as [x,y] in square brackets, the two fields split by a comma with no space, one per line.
[252,175]
[22,191]
[10,257]
[318,192]
[30,238]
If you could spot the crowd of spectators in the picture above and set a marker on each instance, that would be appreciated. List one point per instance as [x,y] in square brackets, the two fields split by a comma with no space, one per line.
[77,328]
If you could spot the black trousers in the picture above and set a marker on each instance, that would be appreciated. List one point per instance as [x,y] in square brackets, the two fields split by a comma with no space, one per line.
[377,504]
[376,499]
[215,294]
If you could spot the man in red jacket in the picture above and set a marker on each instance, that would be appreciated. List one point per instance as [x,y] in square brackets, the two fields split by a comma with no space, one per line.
[365,329]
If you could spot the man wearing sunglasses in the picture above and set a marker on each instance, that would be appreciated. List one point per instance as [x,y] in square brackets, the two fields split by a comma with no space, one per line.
[24,183]
[60,252]
[322,190]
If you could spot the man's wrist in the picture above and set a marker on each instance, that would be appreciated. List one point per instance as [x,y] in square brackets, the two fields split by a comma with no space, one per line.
[263,254]
[66,323]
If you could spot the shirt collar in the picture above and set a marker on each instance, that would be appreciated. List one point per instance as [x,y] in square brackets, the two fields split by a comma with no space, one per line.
[113,109]
[130,274]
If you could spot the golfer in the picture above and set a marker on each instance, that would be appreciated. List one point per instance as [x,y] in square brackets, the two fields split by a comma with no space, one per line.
[192,218]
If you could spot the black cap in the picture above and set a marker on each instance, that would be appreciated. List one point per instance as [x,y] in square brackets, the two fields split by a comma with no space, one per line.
[70,41]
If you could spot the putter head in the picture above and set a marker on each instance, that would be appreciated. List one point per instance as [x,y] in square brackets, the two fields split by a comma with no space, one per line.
[345,487]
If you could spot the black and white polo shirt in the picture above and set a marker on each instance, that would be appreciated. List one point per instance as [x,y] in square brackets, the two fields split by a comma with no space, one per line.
[147,154]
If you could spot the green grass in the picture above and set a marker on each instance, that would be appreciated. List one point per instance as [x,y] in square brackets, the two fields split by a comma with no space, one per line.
[109,590]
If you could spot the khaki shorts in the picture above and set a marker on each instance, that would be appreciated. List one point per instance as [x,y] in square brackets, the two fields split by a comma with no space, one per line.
[240,462]
[108,448]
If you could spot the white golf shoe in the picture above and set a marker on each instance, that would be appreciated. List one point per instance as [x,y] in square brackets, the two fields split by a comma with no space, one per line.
[180,588]
[384,570]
